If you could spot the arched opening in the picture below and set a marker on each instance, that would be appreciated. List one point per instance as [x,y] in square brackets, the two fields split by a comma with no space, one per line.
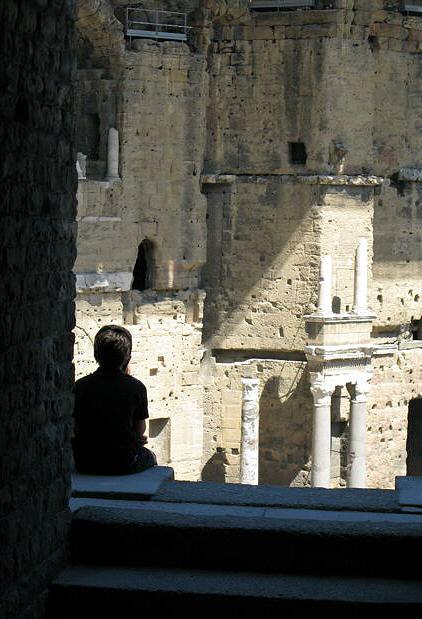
[144,267]
[414,438]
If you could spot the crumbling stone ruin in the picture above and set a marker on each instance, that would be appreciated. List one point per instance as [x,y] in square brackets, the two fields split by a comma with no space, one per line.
[216,174]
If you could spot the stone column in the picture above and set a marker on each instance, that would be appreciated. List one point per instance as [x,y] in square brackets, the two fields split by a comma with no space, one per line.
[250,432]
[113,155]
[356,458]
[81,166]
[321,432]
[324,295]
[360,302]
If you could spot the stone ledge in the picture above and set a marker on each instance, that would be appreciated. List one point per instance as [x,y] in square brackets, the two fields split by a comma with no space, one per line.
[366,500]
[137,486]
[358,180]
[104,282]
[410,345]
[409,490]
[190,591]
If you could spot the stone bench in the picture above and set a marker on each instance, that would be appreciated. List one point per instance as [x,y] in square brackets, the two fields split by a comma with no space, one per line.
[134,487]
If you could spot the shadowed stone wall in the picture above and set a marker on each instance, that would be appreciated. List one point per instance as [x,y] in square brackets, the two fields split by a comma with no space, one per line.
[37,251]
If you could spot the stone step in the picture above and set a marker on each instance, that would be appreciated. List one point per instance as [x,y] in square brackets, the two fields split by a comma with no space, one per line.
[128,592]
[240,539]
[368,500]
[136,486]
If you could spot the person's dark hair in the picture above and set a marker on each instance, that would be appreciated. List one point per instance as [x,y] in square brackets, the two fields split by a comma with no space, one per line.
[113,347]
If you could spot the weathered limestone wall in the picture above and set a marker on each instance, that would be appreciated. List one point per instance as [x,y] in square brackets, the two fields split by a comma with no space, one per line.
[397,287]
[158,198]
[210,175]
[346,215]
[160,163]
[37,241]
[166,331]
[397,379]
[262,264]
[285,426]
[322,78]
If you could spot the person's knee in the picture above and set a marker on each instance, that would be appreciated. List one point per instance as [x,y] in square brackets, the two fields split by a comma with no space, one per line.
[146,459]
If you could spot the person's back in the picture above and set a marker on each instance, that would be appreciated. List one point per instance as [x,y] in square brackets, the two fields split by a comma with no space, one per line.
[110,411]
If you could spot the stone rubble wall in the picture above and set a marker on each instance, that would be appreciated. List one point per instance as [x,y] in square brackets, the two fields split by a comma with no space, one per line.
[397,380]
[166,332]
[397,285]
[37,249]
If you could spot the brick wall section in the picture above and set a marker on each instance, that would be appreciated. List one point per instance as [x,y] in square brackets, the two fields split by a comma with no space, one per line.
[37,251]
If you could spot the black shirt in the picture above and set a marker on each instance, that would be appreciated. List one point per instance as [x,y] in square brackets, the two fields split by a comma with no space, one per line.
[107,405]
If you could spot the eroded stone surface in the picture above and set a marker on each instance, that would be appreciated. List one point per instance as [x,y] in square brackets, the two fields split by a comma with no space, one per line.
[208,134]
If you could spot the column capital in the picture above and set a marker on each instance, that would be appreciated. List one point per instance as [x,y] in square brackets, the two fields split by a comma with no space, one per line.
[250,388]
[322,389]
[360,388]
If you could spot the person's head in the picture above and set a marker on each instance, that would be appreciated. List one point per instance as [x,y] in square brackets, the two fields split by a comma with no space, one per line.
[113,347]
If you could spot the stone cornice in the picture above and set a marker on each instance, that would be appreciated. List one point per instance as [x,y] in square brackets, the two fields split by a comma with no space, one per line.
[358,180]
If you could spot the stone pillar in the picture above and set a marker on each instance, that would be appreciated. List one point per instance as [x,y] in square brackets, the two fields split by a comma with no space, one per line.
[356,458]
[81,166]
[250,432]
[324,295]
[360,303]
[113,155]
[321,432]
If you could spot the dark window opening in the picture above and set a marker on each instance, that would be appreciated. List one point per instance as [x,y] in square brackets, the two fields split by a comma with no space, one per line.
[88,141]
[414,438]
[142,273]
[417,329]
[297,153]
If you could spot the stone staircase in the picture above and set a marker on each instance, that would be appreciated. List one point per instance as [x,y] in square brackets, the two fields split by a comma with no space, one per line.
[195,547]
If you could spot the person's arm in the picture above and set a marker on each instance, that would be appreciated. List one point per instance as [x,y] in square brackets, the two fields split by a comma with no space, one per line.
[141,415]
[141,427]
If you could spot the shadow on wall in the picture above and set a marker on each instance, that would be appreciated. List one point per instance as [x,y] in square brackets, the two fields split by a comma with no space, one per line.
[214,469]
[285,430]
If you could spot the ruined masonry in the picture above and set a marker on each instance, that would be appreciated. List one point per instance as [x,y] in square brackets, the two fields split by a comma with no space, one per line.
[250,208]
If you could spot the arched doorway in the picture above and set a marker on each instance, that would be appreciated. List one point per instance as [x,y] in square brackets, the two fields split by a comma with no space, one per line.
[144,267]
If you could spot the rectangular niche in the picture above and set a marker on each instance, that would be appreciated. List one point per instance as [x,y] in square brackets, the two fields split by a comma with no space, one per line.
[297,153]
[159,439]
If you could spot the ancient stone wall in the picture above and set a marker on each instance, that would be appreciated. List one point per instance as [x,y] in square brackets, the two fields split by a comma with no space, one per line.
[321,79]
[37,241]
[166,331]
[268,141]
[159,111]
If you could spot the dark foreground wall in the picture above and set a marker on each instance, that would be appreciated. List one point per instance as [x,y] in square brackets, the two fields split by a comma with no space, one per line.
[37,251]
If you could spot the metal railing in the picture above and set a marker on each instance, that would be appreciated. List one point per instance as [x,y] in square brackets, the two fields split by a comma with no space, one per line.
[281,4]
[155,24]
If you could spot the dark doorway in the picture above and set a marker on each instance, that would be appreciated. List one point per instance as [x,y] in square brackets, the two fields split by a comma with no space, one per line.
[89,136]
[414,438]
[142,273]
[297,153]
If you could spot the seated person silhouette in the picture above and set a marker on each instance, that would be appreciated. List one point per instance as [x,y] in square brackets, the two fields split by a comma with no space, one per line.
[110,411]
